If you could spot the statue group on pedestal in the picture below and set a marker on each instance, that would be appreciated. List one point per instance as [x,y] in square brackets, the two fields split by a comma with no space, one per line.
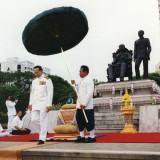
[122,60]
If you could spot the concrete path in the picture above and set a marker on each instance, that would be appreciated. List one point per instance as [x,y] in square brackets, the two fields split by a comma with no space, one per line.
[91,151]
[94,151]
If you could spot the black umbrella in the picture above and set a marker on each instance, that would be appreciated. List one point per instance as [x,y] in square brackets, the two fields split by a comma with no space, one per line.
[55,30]
[59,27]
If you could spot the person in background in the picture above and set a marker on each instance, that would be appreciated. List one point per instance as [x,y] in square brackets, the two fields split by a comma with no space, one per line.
[3,133]
[17,125]
[10,104]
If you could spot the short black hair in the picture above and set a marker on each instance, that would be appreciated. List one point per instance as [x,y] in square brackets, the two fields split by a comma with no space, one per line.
[7,96]
[19,110]
[85,68]
[39,67]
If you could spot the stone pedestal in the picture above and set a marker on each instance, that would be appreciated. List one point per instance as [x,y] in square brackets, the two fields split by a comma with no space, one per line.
[108,116]
[149,119]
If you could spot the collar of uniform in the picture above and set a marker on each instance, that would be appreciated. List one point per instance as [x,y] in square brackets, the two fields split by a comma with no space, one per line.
[42,76]
[85,77]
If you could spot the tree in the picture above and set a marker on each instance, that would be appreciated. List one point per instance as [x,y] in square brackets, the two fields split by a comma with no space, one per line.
[62,90]
[154,76]
[18,84]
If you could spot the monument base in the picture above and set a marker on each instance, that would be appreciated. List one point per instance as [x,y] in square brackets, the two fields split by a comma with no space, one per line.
[108,116]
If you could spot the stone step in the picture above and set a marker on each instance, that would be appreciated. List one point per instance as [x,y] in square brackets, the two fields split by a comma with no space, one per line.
[108,110]
[113,126]
[114,122]
[109,130]
[111,114]
[96,151]
[113,117]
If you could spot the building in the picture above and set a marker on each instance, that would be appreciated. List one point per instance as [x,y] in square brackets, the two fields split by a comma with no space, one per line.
[13,64]
[159,7]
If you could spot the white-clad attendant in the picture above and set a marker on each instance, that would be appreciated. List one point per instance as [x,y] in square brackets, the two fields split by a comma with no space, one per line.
[85,89]
[11,112]
[40,102]
[3,132]
[17,125]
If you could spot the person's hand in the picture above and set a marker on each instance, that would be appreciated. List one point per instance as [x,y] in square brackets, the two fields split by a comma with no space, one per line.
[73,82]
[82,107]
[30,107]
[23,129]
[135,60]
[48,108]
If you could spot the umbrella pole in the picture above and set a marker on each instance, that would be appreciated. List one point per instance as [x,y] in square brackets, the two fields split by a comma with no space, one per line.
[73,84]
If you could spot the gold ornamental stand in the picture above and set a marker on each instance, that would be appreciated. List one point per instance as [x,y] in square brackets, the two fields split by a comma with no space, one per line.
[128,110]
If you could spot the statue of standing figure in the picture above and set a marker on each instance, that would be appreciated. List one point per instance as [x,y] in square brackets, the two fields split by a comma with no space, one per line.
[142,50]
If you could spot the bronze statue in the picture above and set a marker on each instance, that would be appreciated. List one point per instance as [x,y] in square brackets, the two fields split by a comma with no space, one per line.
[142,49]
[121,66]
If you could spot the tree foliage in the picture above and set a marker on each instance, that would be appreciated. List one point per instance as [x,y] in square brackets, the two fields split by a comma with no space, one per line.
[18,84]
[154,76]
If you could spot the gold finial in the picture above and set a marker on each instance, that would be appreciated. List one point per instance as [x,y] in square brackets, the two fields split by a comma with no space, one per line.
[126,98]
[126,91]
[128,114]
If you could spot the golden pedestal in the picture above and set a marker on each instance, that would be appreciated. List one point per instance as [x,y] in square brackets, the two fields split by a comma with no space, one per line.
[128,114]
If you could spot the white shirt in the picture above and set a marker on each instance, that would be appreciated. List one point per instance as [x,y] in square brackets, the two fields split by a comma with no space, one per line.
[85,90]
[17,122]
[28,111]
[1,128]
[11,108]
[41,93]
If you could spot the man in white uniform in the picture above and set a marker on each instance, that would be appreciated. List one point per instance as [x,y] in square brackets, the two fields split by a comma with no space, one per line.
[3,132]
[85,90]
[11,112]
[40,102]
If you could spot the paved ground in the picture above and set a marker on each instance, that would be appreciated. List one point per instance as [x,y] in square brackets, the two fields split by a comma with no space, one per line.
[91,151]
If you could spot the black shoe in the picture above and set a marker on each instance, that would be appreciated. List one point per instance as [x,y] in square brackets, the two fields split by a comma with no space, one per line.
[40,142]
[90,140]
[80,139]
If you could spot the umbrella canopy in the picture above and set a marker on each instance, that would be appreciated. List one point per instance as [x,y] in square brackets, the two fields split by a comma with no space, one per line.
[59,27]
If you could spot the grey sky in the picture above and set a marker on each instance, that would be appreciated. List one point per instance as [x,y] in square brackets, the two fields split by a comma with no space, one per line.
[111,22]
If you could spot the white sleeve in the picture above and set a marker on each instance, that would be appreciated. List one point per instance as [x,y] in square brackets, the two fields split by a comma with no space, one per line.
[14,123]
[89,92]
[11,104]
[31,95]
[49,92]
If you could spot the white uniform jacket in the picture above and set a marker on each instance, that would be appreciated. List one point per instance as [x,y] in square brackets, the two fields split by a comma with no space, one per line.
[85,90]
[41,93]
[11,108]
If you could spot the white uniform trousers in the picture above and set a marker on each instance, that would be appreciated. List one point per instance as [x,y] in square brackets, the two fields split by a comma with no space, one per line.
[4,134]
[10,119]
[40,121]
